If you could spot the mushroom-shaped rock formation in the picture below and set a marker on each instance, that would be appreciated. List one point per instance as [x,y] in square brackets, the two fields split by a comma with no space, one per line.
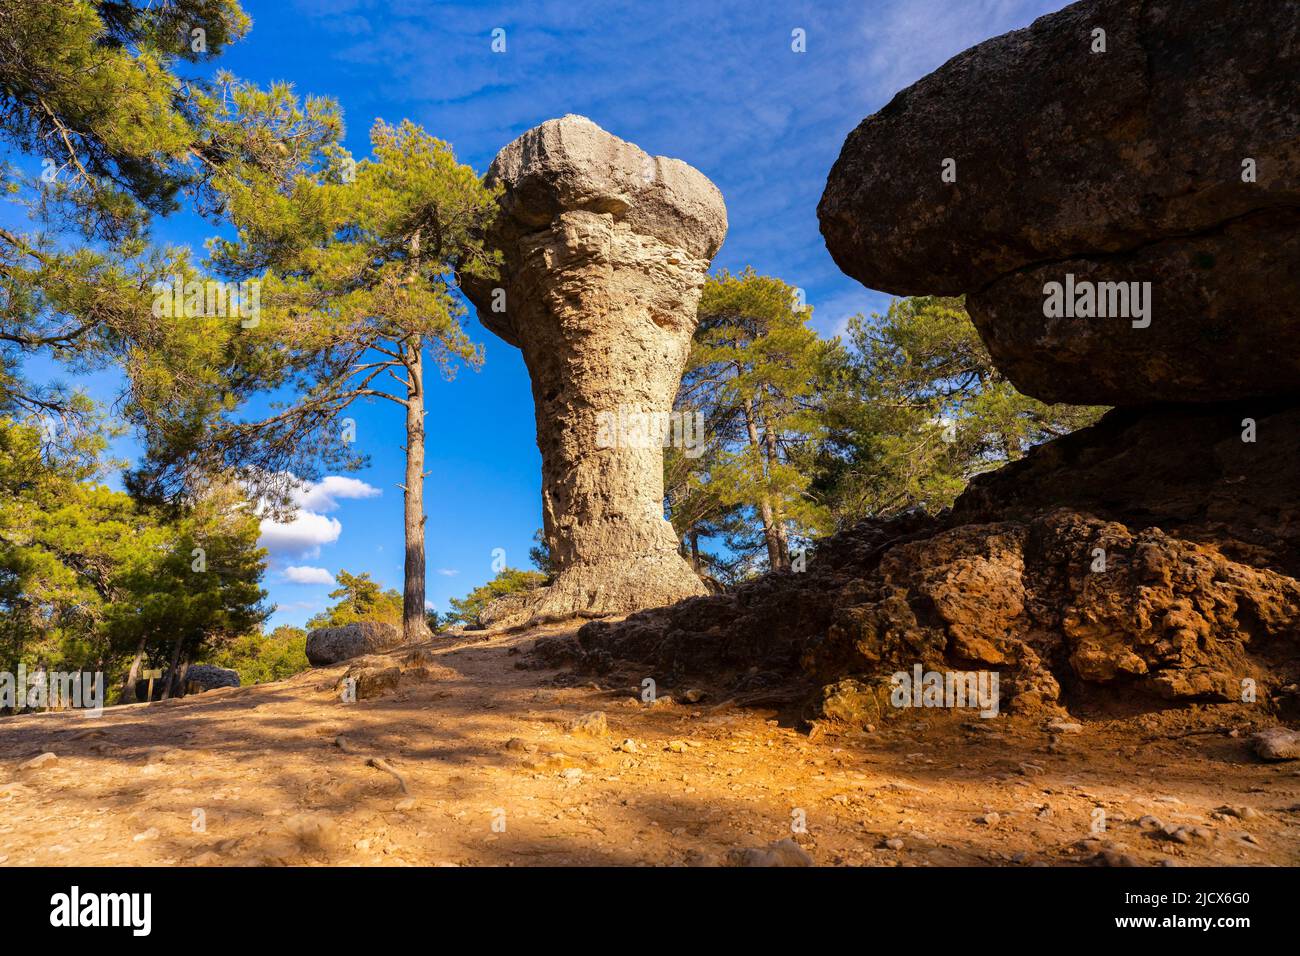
[1114,147]
[605,250]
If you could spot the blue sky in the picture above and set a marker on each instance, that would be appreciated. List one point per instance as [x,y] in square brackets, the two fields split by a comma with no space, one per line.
[716,84]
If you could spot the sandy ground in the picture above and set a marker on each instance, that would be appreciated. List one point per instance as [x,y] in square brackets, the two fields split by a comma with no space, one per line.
[495,777]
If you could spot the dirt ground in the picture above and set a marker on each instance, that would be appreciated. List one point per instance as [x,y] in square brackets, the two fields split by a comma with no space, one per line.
[496,776]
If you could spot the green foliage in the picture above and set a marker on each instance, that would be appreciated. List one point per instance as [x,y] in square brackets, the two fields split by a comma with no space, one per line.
[921,411]
[88,577]
[93,88]
[759,375]
[262,658]
[358,262]
[508,581]
[92,98]
[540,555]
[360,599]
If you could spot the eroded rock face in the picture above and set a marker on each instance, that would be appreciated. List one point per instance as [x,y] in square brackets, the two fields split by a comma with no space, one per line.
[605,253]
[330,645]
[1197,598]
[1124,165]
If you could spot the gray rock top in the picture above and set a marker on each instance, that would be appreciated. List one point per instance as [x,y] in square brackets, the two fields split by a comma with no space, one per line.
[571,163]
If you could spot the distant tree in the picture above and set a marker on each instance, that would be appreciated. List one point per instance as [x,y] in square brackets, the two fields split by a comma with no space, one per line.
[466,610]
[360,599]
[88,577]
[760,377]
[923,410]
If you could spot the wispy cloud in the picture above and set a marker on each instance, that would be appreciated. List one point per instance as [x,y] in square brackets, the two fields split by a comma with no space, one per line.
[305,574]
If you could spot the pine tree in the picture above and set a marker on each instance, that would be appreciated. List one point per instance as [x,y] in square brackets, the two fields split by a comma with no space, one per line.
[758,374]
[359,264]
[921,412]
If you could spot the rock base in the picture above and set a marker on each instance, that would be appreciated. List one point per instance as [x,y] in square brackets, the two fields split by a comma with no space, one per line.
[1149,560]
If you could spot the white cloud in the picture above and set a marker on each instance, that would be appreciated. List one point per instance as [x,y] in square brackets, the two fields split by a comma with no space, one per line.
[448,572]
[324,495]
[303,534]
[305,574]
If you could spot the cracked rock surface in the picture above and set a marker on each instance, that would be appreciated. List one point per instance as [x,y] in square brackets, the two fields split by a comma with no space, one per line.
[1123,165]
[605,252]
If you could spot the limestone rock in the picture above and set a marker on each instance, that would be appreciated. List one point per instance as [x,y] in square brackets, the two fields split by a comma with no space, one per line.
[781,853]
[605,251]
[593,724]
[201,677]
[378,674]
[1278,743]
[507,611]
[1123,165]
[370,678]
[39,761]
[1199,591]
[330,645]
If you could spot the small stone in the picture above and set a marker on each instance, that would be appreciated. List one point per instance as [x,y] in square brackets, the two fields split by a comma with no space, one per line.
[696,857]
[1150,822]
[781,853]
[516,745]
[628,746]
[677,746]
[403,805]
[39,761]
[894,843]
[1115,858]
[693,695]
[1065,727]
[590,725]
[572,774]
[1277,743]
[150,834]
[1241,813]
[989,819]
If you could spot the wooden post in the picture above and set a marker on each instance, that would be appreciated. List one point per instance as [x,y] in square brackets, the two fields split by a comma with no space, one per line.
[151,674]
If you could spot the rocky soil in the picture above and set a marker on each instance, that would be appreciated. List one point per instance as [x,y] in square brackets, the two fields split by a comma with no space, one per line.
[579,771]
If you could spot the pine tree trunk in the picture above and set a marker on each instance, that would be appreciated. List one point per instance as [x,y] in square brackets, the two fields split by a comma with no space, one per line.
[778,517]
[764,501]
[128,694]
[695,550]
[171,671]
[414,626]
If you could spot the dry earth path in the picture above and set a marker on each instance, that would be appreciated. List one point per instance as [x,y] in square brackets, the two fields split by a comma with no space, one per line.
[496,774]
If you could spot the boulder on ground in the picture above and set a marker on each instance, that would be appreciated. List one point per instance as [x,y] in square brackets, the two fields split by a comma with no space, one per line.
[201,677]
[196,679]
[330,645]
